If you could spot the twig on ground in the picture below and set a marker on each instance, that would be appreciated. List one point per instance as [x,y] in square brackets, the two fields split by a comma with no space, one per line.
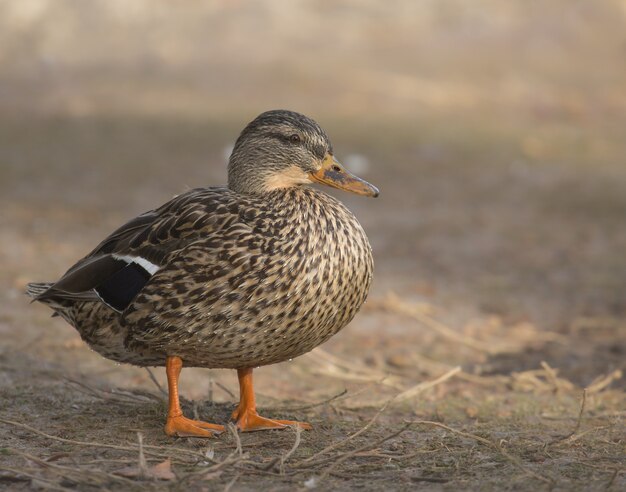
[195,409]
[339,408]
[69,441]
[86,474]
[118,395]
[421,387]
[347,439]
[314,405]
[583,401]
[163,449]
[603,382]
[580,435]
[128,396]
[233,431]
[211,471]
[391,475]
[493,445]
[552,376]
[334,366]
[230,484]
[600,415]
[123,461]
[531,380]
[489,381]
[430,479]
[569,436]
[614,475]
[143,466]
[233,459]
[35,478]
[352,453]
[287,455]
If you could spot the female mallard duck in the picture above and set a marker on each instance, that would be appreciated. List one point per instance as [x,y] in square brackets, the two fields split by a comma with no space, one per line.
[256,273]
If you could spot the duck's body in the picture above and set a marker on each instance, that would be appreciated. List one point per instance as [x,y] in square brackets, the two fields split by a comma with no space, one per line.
[241,281]
[237,277]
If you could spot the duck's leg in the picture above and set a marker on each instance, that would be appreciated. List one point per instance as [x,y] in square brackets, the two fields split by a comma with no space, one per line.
[177,424]
[246,416]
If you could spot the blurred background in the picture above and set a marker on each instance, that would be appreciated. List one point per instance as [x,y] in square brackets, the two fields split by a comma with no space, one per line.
[496,132]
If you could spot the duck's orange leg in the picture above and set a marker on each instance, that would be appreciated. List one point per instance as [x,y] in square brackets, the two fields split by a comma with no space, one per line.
[177,424]
[245,415]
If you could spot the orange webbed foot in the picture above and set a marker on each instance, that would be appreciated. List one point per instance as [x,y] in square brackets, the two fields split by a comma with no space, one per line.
[250,420]
[245,415]
[183,427]
[177,424]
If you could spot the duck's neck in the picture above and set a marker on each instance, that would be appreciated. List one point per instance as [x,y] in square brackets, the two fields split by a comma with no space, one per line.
[302,200]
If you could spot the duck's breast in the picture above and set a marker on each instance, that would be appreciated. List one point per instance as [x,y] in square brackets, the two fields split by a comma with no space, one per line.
[273,286]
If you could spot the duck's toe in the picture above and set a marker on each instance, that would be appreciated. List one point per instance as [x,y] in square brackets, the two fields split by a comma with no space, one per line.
[249,421]
[181,426]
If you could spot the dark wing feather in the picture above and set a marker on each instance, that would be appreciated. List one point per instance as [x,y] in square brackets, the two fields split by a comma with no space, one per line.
[78,283]
[153,236]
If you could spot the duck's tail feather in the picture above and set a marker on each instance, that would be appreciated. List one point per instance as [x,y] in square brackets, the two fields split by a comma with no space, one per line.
[37,289]
[41,291]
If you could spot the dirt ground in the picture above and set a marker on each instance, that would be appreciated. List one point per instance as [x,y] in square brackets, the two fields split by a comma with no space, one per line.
[490,354]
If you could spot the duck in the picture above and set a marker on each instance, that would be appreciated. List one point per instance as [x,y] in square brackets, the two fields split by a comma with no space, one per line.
[240,276]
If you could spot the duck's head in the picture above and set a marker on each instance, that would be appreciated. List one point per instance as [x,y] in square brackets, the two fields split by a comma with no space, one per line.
[283,149]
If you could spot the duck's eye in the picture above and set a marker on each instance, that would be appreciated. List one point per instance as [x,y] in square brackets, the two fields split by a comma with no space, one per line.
[295,138]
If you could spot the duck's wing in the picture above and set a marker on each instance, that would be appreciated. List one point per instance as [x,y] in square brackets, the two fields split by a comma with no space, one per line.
[121,264]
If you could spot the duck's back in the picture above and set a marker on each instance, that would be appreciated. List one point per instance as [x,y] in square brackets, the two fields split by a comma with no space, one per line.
[229,280]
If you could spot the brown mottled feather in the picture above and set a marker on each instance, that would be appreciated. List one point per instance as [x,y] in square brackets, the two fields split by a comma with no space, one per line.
[244,280]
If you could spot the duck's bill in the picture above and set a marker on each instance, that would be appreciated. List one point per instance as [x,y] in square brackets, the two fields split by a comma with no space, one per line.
[332,173]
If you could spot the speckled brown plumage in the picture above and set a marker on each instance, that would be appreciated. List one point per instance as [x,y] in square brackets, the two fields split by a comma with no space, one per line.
[239,277]
[250,282]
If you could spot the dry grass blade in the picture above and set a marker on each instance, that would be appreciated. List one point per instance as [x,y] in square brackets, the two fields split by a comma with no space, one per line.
[286,456]
[350,454]
[143,466]
[160,451]
[614,475]
[552,376]
[580,435]
[603,382]
[421,387]
[81,475]
[49,484]
[568,437]
[160,471]
[347,439]
[119,396]
[233,431]
[69,441]
[583,401]
[315,405]
[211,472]
[493,445]
[230,484]
[333,366]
